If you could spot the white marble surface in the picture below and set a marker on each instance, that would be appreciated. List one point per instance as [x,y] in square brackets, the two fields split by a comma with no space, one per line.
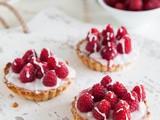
[60,33]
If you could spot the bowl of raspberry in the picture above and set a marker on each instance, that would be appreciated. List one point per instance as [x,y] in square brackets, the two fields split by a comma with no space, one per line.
[132,13]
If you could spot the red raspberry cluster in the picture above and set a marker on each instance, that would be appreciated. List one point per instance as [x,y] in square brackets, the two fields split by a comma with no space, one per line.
[133,5]
[107,43]
[46,67]
[100,100]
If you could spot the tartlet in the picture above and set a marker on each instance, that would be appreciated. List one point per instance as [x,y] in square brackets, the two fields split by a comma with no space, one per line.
[106,52]
[106,101]
[38,79]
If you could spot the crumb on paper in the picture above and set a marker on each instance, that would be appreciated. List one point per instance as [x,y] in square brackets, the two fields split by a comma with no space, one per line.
[11,96]
[67,62]
[15,105]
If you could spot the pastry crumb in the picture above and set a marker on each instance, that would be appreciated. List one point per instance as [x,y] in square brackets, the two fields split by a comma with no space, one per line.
[15,105]
[67,62]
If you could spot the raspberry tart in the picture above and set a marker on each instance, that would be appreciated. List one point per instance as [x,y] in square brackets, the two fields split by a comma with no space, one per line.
[38,78]
[107,101]
[105,51]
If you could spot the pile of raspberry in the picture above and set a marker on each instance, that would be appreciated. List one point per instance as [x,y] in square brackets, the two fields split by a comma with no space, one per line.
[46,67]
[105,99]
[107,43]
[133,5]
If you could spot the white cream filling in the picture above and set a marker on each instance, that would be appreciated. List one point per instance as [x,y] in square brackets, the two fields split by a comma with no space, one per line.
[136,115]
[37,85]
[121,59]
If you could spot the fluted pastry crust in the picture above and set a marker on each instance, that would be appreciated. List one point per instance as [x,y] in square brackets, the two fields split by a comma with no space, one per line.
[32,95]
[76,116]
[95,65]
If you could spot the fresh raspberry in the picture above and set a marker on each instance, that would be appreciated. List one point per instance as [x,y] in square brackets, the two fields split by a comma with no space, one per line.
[121,32]
[136,5]
[93,44]
[109,52]
[111,2]
[17,65]
[122,111]
[152,4]
[110,87]
[145,1]
[112,98]
[124,45]
[120,6]
[93,35]
[128,44]
[52,62]
[61,70]
[34,61]
[85,103]
[106,81]
[109,37]
[27,73]
[126,4]
[122,1]
[119,89]
[45,54]
[108,29]
[132,99]
[140,90]
[41,69]
[93,47]
[90,91]
[98,92]
[102,110]
[28,55]
[84,91]
[50,79]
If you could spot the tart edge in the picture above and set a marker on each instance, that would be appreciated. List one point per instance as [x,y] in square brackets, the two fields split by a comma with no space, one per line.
[32,95]
[76,116]
[95,65]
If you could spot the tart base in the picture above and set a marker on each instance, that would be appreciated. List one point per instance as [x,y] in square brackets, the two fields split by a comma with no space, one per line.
[76,116]
[32,95]
[95,65]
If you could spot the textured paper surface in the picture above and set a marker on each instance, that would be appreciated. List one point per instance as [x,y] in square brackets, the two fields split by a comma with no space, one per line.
[53,29]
